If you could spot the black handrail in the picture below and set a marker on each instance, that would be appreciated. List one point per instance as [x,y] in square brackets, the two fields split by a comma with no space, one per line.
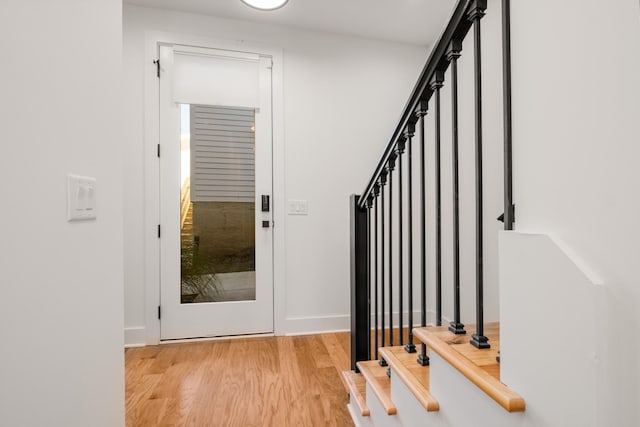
[457,28]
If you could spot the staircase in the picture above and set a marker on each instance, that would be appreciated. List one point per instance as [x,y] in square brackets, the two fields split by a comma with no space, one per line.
[411,245]
[426,250]
[408,394]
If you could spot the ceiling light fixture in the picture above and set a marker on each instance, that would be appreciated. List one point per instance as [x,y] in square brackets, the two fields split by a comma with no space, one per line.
[265,4]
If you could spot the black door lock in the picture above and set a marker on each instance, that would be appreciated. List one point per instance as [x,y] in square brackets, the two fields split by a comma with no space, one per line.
[265,203]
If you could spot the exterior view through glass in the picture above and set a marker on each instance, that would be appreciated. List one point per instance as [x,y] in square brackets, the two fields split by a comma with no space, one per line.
[217,204]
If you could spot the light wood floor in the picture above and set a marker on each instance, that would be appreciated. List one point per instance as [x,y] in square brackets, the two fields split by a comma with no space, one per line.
[275,381]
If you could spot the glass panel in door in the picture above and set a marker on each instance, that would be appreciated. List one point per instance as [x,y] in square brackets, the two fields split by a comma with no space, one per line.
[217,204]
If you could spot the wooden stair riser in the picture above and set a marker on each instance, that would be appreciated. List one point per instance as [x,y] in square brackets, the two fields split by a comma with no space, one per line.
[379,383]
[478,366]
[414,376]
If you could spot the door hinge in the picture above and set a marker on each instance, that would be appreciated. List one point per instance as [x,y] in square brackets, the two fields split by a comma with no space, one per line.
[159,313]
[158,231]
[157,62]
[158,150]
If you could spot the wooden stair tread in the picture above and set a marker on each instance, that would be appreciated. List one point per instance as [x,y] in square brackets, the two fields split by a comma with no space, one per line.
[478,366]
[380,383]
[414,376]
[357,390]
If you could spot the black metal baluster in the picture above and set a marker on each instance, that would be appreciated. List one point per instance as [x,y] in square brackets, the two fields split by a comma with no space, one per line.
[399,152]
[436,84]
[452,56]
[423,359]
[390,168]
[476,13]
[369,264]
[383,181]
[410,347]
[376,193]
[509,208]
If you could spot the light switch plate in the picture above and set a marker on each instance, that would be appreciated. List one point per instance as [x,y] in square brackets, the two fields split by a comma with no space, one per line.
[81,198]
[298,207]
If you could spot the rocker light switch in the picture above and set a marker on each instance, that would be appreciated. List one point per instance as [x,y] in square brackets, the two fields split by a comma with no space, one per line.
[81,198]
[298,207]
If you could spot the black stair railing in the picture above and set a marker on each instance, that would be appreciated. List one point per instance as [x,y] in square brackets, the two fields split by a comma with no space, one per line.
[384,251]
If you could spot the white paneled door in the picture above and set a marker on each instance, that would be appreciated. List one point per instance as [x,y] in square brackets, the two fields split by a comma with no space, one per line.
[216,235]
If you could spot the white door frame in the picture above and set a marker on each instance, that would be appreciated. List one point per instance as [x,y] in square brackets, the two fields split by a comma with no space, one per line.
[152,174]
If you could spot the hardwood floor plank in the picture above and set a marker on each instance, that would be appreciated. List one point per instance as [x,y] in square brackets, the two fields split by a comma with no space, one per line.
[275,381]
[339,357]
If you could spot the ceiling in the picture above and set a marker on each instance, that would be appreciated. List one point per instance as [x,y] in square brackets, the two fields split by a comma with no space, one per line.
[406,21]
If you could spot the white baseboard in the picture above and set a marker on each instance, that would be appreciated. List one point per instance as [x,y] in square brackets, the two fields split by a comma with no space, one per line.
[316,325]
[223,338]
[431,318]
[135,337]
[341,323]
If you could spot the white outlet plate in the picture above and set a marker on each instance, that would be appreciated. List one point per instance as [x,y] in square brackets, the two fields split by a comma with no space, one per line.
[81,198]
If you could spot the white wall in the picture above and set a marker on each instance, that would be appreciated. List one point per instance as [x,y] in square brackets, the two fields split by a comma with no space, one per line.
[342,96]
[557,374]
[61,284]
[576,98]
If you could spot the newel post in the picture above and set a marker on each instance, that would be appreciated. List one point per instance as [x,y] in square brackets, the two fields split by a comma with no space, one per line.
[360,316]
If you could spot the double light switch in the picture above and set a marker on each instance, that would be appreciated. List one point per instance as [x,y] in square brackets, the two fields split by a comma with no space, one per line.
[81,198]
